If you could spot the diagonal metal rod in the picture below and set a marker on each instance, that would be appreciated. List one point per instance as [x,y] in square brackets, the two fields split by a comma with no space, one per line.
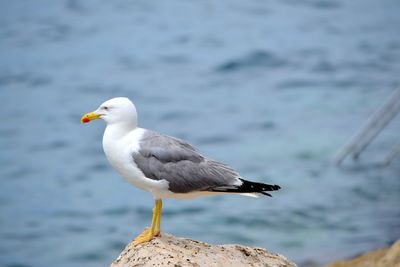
[393,154]
[390,113]
[371,124]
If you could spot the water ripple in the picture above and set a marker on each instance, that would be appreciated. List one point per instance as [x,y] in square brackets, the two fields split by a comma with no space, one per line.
[216,139]
[256,59]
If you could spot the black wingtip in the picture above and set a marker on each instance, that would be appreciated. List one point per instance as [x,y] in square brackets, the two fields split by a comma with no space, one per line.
[276,187]
[270,187]
[248,187]
[266,194]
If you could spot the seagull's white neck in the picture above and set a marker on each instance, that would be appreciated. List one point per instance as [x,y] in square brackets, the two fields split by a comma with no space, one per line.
[115,131]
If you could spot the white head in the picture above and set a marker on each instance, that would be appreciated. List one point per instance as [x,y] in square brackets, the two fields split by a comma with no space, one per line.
[119,110]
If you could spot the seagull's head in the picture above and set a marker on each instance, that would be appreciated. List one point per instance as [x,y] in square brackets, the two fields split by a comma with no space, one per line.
[116,110]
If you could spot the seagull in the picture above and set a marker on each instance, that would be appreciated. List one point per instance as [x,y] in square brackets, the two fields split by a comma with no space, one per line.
[165,166]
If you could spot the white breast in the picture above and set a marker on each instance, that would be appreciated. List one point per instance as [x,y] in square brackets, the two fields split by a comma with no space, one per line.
[119,148]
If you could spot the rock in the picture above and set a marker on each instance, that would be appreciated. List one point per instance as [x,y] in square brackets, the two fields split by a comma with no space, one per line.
[385,257]
[168,250]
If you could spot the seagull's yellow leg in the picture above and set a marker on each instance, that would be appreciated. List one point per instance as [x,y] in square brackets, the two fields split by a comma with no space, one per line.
[147,233]
[158,224]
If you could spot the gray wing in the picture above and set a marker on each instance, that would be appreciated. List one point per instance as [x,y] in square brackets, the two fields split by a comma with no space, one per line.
[164,157]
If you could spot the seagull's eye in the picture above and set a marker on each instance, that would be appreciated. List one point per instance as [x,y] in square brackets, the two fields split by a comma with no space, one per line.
[105,108]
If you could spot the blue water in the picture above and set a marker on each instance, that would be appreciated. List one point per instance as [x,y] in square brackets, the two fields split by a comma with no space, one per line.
[272,88]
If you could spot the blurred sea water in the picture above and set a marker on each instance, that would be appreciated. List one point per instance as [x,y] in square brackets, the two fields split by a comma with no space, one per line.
[273,88]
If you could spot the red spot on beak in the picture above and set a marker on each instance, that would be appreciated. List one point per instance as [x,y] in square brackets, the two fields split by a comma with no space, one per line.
[85,120]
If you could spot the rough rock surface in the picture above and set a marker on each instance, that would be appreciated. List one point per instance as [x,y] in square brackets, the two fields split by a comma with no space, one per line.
[385,257]
[168,250]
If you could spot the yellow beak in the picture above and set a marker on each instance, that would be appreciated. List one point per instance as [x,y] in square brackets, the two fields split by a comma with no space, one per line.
[89,117]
